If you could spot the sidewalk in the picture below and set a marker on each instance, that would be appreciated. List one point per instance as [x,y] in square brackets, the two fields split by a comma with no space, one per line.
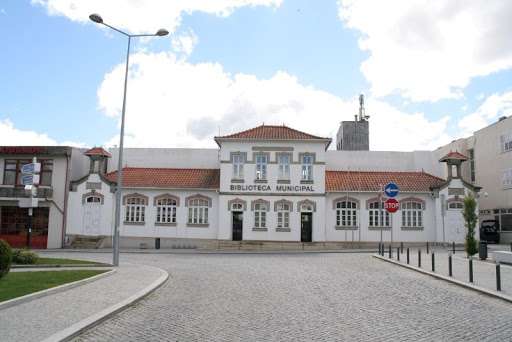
[484,272]
[41,318]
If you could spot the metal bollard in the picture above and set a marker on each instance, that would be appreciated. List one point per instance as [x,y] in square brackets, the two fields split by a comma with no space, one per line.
[498,277]
[407,255]
[398,253]
[427,248]
[433,263]
[157,243]
[419,258]
[450,270]
[401,247]
[470,270]
[511,246]
[379,248]
[453,247]
[390,253]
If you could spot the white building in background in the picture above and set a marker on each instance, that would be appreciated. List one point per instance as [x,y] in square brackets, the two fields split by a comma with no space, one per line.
[269,183]
[490,166]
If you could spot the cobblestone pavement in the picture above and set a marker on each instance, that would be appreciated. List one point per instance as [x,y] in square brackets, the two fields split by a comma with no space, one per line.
[484,272]
[302,297]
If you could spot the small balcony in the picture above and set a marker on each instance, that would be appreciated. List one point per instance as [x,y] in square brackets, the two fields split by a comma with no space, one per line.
[20,192]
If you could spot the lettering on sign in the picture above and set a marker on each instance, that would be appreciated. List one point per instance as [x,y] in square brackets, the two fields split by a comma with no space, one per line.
[268,188]
[93,185]
[456,191]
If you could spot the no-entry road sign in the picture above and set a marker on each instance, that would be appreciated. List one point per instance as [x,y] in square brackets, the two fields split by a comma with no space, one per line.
[391,189]
[391,205]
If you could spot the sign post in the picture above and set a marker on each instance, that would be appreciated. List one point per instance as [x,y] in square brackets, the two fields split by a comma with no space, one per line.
[391,205]
[30,178]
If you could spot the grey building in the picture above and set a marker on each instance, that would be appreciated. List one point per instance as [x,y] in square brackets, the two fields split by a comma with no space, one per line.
[354,135]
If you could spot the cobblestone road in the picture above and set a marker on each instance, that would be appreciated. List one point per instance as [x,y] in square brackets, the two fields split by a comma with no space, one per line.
[302,297]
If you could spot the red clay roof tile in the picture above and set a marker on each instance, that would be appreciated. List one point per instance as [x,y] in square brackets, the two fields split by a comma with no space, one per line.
[97,151]
[272,132]
[168,178]
[454,155]
[374,180]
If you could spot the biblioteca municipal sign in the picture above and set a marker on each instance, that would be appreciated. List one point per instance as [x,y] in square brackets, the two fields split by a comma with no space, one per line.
[277,188]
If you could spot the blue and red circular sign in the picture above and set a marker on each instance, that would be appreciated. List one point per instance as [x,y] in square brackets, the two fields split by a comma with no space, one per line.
[391,205]
[391,189]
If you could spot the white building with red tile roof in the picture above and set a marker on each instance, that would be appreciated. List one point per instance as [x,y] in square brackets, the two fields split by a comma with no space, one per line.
[268,183]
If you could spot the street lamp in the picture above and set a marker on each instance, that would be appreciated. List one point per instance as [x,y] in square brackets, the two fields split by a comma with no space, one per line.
[162,32]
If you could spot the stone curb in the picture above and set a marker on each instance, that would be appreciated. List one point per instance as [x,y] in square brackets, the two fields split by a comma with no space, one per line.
[451,280]
[89,322]
[53,290]
[60,266]
[226,251]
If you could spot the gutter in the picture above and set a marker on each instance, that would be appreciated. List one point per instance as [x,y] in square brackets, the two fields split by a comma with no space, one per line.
[66,196]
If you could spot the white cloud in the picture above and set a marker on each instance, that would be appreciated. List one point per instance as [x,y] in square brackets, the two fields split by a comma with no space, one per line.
[490,110]
[11,136]
[429,50]
[173,103]
[143,16]
[184,43]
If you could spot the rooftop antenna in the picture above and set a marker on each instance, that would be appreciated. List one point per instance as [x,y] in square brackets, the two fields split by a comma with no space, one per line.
[362,115]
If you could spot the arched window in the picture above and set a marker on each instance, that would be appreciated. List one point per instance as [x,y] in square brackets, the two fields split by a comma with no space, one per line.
[346,213]
[378,216]
[93,199]
[198,211]
[166,210]
[283,209]
[412,214]
[135,208]
[455,205]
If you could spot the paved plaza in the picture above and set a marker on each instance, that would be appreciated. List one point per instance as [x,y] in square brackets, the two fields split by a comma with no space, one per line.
[302,297]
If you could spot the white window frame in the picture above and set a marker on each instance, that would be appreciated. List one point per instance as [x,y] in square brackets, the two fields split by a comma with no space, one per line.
[283,215]
[455,205]
[166,210]
[135,209]
[412,214]
[378,217]
[261,166]
[307,167]
[346,213]
[95,199]
[260,215]
[238,165]
[506,181]
[506,142]
[198,211]
[283,162]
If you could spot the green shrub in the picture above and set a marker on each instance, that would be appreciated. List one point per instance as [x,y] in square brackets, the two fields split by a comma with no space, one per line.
[24,257]
[471,219]
[5,258]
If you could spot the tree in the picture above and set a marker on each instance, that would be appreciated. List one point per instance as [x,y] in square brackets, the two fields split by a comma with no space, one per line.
[471,219]
[5,258]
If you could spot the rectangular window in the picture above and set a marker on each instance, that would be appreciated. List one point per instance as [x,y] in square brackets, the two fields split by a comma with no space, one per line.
[283,161]
[378,217]
[506,142]
[346,214]
[238,166]
[135,210]
[13,175]
[198,211]
[260,215]
[307,167]
[283,215]
[507,179]
[261,166]
[412,214]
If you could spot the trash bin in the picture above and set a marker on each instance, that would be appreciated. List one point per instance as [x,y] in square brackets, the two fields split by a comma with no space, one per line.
[157,244]
[482,250]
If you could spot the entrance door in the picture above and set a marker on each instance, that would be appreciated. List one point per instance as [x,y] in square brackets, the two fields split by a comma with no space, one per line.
[306,227]
[238,220]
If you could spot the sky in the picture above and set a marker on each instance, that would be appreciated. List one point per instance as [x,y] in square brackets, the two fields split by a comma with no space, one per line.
[431,71]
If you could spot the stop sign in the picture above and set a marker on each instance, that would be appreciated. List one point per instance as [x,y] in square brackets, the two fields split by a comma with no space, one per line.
[391,205]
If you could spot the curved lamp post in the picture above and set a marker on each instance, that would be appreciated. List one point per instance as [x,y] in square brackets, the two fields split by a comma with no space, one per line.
[162,32]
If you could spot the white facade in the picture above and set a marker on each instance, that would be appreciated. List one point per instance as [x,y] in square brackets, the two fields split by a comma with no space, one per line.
[275,190]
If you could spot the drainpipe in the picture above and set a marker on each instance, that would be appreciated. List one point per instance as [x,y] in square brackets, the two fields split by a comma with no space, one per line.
[66,196]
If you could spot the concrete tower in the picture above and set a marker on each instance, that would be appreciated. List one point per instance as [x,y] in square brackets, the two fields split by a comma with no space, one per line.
[354,135]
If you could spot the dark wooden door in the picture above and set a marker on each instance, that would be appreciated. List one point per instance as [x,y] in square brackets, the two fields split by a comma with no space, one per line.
[238,220]
[306,227]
